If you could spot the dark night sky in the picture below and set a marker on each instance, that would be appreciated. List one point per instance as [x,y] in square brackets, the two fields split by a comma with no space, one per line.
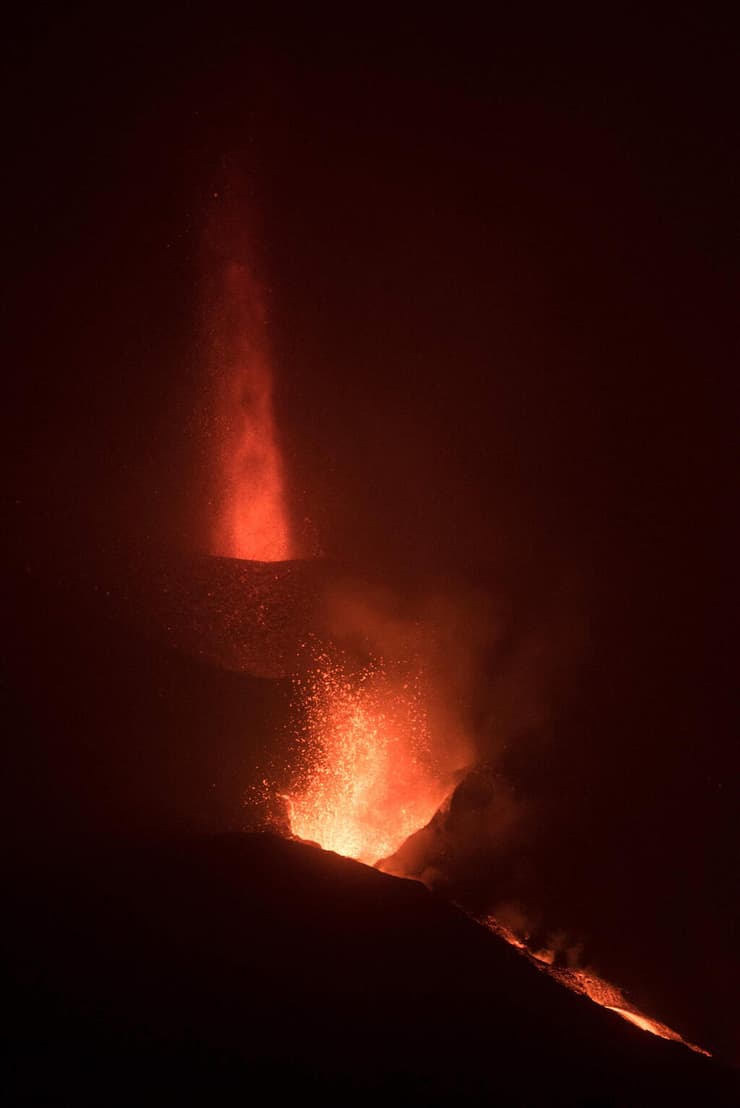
[508,258]
[502,266]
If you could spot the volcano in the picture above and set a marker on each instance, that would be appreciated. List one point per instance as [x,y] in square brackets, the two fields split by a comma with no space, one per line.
[202,968]
[140,944]
[371,390]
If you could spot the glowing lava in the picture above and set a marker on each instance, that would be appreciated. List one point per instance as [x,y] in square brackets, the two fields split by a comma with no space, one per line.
[250,503]
[587,983]
[370,779]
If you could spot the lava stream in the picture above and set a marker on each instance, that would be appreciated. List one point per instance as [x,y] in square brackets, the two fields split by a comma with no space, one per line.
[587,983]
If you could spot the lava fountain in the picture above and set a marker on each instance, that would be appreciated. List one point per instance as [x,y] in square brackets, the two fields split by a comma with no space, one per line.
[369,778]
[250,507]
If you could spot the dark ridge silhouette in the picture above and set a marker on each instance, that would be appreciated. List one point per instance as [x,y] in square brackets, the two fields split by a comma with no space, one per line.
[200,969]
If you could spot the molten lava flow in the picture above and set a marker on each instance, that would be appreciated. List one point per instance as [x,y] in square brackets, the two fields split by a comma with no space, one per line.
[251,512]
[369,779]
[587,983]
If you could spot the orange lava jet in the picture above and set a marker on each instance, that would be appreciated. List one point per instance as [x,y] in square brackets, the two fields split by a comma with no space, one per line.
[251,511]
[587,983]
[369,778]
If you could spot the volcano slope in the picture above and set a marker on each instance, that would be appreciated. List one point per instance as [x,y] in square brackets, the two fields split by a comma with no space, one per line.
[223,969]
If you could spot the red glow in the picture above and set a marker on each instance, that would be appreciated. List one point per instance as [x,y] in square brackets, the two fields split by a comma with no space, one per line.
[587,983]
[251,513]
[369,779]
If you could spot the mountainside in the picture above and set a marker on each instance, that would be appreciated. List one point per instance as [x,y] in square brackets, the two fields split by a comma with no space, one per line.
[197,970]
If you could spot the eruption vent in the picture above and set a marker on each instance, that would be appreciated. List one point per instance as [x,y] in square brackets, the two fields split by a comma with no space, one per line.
[369,778]
[251,517]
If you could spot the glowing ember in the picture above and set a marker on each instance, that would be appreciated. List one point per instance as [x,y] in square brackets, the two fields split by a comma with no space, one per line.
[251,511]
[369,780]
[587,983]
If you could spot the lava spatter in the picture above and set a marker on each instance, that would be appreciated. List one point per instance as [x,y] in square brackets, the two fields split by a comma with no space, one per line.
[368,778]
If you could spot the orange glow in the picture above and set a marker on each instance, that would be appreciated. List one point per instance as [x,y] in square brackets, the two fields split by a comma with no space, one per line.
[250,504]
[587,983]
[369,780]
[633,1017]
